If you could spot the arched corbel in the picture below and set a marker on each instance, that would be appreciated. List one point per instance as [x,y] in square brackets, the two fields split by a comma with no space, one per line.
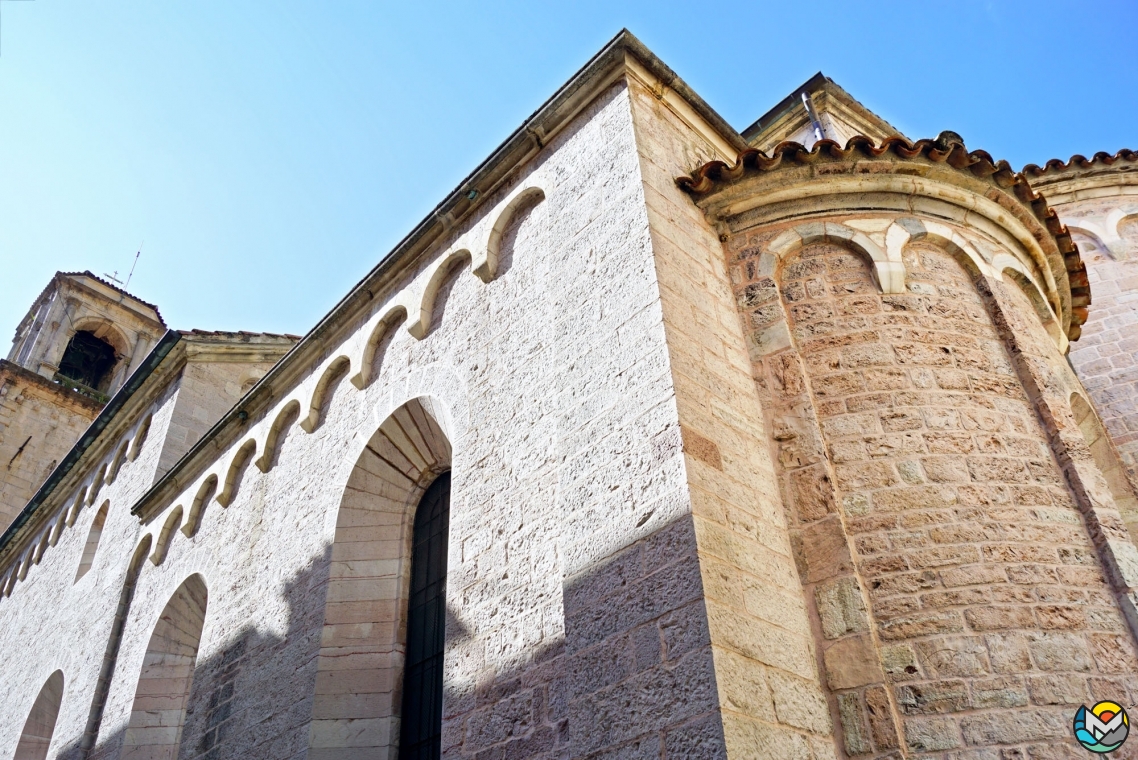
[202,496]
[419,317]
[274,435]
[377,329]
[166,537]
[339,366]
[484,261]
[237,465]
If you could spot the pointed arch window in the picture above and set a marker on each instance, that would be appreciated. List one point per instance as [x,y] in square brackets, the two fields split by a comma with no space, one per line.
[420,732]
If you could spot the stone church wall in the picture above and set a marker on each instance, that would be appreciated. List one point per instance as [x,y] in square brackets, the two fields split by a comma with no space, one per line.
[39,423]
[770,699]
[575,622]
[959,600]
[983,585]
[776,460]
[1106,357]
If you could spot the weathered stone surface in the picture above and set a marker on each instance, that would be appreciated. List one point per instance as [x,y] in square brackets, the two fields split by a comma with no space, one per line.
[808,480]
[855,732]
[852,662]
[841,608]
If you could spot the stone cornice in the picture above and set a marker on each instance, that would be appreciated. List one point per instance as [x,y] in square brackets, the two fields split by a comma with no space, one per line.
[943,169]
[61,394]
[1101,176]
[1124,158]
[99,442]
[624,56]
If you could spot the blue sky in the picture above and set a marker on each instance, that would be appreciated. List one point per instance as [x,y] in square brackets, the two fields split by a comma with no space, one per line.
[269,154]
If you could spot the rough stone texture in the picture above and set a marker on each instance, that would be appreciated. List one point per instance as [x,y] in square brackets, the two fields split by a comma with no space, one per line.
[957,516]
[754,602]
[1106,356]
[707,501]
[39,423]
[576,623]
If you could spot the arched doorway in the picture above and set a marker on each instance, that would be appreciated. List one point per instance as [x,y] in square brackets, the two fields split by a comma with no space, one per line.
[400,481]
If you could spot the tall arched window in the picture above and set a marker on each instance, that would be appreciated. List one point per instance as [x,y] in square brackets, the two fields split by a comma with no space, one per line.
[420,732]
[382,567]
[35,739]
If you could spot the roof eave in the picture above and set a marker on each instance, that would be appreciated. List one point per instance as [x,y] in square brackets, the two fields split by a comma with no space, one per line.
[93,432]
[549,119]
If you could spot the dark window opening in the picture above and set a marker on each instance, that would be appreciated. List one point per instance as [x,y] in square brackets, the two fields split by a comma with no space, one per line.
[88,361]
[421,724]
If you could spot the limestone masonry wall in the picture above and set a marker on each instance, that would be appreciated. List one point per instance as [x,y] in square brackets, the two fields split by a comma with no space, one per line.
[771,703]
[39,423]
[779,459]
[953,580]
[1106,357]
[575,626]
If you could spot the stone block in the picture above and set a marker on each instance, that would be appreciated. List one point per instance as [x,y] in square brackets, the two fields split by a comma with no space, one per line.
[852,662]
[841,608]
[855,732]
[799,702]
[932,734]
[821,550]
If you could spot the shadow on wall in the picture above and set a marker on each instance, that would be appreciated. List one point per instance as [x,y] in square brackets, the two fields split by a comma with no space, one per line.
[633,671]
[253,698]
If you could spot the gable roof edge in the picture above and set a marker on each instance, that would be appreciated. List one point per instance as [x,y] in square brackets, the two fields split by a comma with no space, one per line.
[523,144]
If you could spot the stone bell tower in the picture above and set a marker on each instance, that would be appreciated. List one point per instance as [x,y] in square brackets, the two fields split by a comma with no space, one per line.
[78,344]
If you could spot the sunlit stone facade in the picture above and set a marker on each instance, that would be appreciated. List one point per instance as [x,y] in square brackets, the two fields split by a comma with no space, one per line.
[755,450]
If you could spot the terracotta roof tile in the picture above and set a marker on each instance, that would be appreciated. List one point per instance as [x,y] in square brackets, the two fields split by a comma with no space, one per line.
[978,163]
[1077,161]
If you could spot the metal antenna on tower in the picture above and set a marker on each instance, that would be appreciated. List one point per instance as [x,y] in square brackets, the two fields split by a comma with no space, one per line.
[114,277]
[132,266]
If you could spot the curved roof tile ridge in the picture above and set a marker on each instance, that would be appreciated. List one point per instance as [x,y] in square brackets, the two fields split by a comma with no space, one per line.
[1078,161]
[979,163]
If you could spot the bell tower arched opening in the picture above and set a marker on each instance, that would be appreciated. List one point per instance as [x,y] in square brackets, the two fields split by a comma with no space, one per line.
[88,360]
